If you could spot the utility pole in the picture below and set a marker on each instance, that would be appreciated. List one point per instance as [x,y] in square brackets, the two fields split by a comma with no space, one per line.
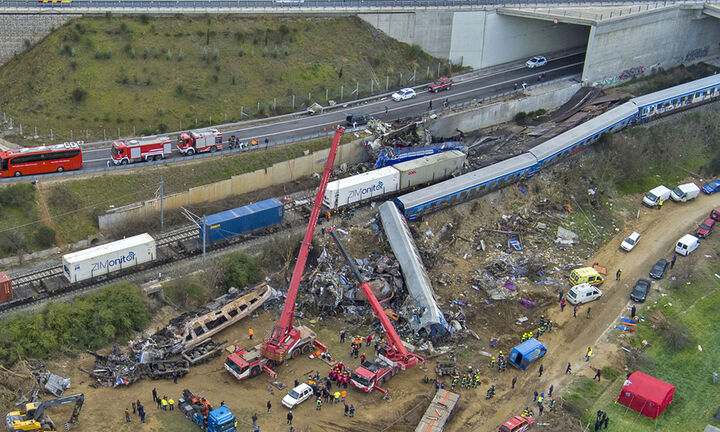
[162,205]
[204,225]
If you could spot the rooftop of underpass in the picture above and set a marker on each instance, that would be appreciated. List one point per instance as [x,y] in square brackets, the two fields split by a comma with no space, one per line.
[592,15]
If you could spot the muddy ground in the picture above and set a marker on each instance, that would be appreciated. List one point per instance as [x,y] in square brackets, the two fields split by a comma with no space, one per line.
[452,268]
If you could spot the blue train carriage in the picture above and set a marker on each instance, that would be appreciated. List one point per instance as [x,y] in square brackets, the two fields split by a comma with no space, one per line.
[681,96]
[242,220]
[465,187]
[585,134]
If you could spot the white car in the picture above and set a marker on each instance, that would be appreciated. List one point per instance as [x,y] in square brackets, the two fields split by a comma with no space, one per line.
[536,62]
[403,94]
[629,243]
[297,396]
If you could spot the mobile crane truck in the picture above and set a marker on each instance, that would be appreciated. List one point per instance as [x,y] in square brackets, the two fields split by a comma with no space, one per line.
[286,341]
[199,410]
[33,417]
[392,355]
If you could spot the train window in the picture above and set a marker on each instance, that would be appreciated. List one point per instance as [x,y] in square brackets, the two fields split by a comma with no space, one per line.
[198,331]
[232,312]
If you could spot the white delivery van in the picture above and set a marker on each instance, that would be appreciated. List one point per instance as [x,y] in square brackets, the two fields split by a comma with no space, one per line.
[653,197]
[685,192]
[687,244]
[583,293]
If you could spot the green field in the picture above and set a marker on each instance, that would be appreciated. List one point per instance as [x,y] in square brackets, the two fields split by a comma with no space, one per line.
[690,308]
[144,75]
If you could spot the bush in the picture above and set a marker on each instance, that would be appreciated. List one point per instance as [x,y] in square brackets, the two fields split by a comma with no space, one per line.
[89,322]
[146,53]
[144,18]
[78,94]
[204,54]
[216,54]
[521,118]
[168,56]
[12,241]
[181,55]
[45,236]
[675,333]
[235,269]
[19,196]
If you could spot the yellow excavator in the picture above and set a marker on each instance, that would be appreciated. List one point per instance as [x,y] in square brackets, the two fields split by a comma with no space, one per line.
[33,417]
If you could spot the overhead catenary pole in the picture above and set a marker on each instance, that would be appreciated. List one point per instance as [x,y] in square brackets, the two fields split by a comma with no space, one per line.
[204,225]
[162,207]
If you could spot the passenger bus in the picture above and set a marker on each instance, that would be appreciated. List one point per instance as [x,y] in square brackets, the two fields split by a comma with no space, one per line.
[40,160]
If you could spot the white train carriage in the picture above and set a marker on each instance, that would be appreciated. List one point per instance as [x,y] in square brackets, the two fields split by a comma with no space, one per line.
[465,187]
[585,134]
[108,258]
[681,96]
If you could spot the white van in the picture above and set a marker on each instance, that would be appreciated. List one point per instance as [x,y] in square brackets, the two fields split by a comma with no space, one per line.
[583,293]
[685,192]
[687,244]
[653,197]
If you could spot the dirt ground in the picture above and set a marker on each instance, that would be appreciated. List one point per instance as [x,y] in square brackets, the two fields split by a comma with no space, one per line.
[450,269]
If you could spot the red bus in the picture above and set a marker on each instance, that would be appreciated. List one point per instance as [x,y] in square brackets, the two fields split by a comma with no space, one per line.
[40,160]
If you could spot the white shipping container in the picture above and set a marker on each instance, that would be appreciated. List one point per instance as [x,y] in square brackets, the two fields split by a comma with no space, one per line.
[360,187]
[429,169]
[107,258]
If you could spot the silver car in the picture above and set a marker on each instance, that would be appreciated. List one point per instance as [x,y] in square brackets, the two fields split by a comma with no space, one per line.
[403,94]
[537,61]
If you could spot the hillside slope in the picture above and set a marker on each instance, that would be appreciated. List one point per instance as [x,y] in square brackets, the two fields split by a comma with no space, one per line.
[146,75]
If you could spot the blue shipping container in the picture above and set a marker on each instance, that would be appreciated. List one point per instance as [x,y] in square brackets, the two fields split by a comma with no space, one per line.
[242,220]
[526,353]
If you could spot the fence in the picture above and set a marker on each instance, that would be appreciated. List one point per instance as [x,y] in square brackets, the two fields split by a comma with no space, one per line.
[279,173]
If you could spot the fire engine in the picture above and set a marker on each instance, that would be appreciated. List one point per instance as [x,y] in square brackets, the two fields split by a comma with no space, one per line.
[140,150]
[190,143]
[392,355]
[286,340]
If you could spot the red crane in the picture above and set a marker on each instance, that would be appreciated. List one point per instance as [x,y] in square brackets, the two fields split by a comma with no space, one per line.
[391,355]
[285,339]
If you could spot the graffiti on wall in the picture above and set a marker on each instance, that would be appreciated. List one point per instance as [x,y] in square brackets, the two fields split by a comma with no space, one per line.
[624,75]
[697,53]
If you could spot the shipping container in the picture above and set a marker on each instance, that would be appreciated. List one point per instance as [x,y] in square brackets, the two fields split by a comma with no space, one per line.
[429,169]
[242,220]
[108,258]
[6,292]
[360,187]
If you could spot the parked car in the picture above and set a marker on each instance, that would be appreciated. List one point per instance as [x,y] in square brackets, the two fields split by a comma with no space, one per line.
[705,228]
[658,270]
[297,396]
[536,61]
[715,213]
[443,83]
[712,187]
[403,94]
[640,291]
[629,243]
[517,424]
[357,119]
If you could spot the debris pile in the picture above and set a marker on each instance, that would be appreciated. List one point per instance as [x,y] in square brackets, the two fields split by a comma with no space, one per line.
[119,369]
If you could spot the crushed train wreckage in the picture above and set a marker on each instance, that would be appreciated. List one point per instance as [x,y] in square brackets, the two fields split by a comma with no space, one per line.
[187,335]
[428,315]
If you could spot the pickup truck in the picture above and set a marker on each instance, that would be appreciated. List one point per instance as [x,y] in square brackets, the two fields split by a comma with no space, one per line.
[443,83]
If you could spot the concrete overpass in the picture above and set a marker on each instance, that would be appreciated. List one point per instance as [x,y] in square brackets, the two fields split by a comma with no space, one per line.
[620,40]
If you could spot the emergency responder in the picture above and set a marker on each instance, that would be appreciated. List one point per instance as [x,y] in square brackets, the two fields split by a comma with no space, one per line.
[492,362]
[491,392]
[552,404]
[318,404]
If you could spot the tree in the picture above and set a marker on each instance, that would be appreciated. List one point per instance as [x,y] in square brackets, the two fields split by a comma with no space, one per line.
[45,236]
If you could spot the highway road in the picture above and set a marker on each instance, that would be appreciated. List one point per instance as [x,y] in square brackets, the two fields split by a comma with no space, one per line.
[464,91]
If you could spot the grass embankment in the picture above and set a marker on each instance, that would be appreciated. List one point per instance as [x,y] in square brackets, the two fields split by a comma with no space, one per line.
[89,322]
[105,73]
[674,327]
[18,205]
[75,204]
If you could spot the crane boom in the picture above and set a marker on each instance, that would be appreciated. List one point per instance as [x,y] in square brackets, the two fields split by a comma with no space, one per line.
[285,324]
[405,358]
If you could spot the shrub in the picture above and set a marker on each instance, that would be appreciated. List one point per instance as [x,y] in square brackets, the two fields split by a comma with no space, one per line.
[235,269]
[216,54]
[179,90]
[12,241]
[109,53]
[675,333]
[45,236]
[276,52]
[161,111]
[204,54]
[98,53]
[162,128]
[264,52]
[146,53]
[521,118]
[287,51]
[78,94]
[181,55]
[18,196]
[241,52]
[144,18]
[168,56]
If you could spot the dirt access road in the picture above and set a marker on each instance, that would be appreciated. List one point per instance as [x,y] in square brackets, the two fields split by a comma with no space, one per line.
[104,407]
[660,229]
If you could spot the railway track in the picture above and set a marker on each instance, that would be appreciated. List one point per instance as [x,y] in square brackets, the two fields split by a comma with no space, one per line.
[32,283]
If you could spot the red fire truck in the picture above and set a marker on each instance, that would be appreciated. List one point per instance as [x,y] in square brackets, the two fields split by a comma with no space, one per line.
[40,160]
[140,150]
[190,143]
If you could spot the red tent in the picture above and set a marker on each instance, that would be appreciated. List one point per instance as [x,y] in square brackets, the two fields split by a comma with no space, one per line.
[647,395]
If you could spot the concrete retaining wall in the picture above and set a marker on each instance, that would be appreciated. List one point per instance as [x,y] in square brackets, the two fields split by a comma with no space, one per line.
[478,38]
[16,29]
[664,38]
[280,173]
[548,97]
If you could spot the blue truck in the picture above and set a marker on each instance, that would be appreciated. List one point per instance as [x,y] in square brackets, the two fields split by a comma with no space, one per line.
[526,353]
[242,220]
[199,410]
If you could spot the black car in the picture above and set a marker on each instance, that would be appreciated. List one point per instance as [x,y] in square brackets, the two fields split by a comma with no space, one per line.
[640,291]
[658,270]
[357,119]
